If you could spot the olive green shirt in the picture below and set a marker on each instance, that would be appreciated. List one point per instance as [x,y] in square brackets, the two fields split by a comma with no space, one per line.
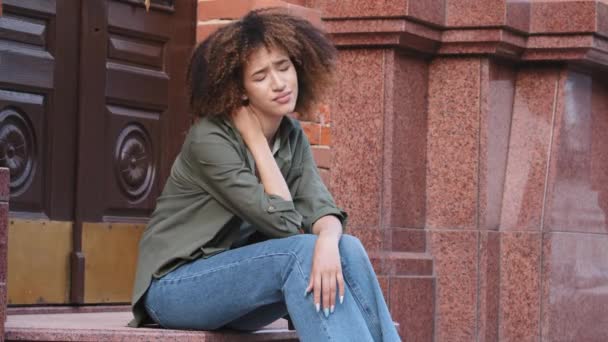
[213,189]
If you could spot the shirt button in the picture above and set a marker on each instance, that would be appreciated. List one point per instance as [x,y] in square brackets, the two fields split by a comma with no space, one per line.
[271,208]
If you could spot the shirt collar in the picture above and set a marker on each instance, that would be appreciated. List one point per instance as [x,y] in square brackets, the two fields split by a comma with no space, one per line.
[281,141]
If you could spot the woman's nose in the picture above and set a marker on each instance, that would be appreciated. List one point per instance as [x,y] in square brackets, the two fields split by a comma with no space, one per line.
[277,82]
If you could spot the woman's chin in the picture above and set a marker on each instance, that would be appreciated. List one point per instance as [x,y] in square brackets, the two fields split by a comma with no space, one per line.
[285,110]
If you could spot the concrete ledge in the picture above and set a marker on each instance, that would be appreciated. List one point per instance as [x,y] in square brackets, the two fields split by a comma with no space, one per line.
[111,326]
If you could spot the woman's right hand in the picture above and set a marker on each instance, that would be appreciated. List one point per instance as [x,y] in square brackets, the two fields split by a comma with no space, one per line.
[248,124]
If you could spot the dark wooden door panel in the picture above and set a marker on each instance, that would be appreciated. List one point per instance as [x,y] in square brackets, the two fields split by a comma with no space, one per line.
[133,154]
[26,80]
[22,151]
[123,138]
[37,107]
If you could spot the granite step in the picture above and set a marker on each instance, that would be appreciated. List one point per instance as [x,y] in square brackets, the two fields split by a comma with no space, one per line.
[390,263]
[111,326]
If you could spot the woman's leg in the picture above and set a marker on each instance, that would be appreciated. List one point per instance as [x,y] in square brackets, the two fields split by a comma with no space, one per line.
[362,283]
[259,317]
[211,293]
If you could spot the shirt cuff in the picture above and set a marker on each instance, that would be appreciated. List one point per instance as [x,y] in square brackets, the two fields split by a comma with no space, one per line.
[337,212]
[291,218]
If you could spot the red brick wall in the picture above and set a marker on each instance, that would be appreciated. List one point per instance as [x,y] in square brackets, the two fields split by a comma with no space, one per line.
[212,14]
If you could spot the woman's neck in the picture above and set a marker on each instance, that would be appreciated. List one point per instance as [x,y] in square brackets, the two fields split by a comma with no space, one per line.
[270,126]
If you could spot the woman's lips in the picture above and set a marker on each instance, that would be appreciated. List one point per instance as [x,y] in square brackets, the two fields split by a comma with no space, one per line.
[283,98]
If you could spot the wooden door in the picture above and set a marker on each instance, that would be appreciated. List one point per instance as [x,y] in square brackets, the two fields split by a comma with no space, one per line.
[92,114]
[38,84]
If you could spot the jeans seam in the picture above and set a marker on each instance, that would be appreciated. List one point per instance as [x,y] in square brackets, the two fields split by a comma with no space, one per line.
[299,264]
[362,303]
[197,275]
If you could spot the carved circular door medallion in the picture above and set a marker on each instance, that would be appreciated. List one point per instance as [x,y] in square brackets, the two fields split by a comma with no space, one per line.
[134,162]
[17,149]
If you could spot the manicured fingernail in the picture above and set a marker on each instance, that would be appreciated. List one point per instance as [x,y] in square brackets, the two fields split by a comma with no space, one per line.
[305,293]
[318,307]
[341,299]
[332,308]
[326,312]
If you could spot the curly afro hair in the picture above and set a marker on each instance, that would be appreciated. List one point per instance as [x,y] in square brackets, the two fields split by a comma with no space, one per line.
[215,73]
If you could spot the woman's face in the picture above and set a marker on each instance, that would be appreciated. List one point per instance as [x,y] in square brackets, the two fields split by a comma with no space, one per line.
[271,82]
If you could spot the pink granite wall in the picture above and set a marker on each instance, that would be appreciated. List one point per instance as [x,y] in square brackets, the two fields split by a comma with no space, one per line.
[484,123]
[575,225]
[524,156]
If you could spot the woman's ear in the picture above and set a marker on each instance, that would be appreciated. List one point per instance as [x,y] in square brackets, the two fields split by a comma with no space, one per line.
[245,100]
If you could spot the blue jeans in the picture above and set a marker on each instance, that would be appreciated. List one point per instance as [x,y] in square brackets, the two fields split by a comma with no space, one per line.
[249,287]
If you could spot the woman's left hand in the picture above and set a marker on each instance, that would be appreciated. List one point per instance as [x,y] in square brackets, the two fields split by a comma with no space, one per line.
[326,273]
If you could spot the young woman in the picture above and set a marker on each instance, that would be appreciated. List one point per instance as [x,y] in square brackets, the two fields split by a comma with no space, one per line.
[245,232]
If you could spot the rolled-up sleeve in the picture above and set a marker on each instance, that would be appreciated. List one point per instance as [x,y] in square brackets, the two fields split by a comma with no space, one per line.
[224,174]
[312,199]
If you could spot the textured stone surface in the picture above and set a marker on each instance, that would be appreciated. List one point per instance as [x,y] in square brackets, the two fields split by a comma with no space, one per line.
[497,91]
[575,290]
[111,326]
[520,273]
[489,277]
[412,303]
[357,115]
[408,240]
[405,126]
[563,16]
[370,237]
[518,14]
[30,310]
[602,14]
[218,9]
[492,41]
[475,13]
[455,262]
[453,143]
[529,144]
[577,196]
[432,11]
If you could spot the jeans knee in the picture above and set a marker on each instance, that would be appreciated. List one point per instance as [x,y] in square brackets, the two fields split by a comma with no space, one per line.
[303,245]
[351,245]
